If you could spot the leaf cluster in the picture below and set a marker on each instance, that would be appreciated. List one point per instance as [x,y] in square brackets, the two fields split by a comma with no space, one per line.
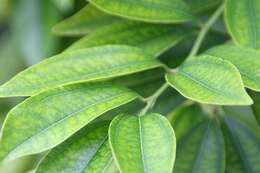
[152,86]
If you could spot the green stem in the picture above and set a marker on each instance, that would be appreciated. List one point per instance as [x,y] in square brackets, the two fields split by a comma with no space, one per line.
[150,101]
[204,30]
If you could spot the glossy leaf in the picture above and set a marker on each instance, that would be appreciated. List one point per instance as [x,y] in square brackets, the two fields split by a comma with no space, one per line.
[46,120]
[142,144]
[154,39]
[243,142]
[242,19]
[164,11]
[87,151]
[201,150]
[209,79]
[246,60]
[79,66]
[87,20]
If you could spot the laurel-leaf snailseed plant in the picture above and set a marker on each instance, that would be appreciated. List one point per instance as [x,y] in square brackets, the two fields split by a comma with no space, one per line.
[149,86]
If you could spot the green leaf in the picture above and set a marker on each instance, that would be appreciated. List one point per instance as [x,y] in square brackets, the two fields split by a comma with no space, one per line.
[256,105]
[201,150]
[87,151]
[243,143]
[198,6]
[163,11]
[211,80]
[84,65]
[87,20]
[142,144]
[242,20]
[145,83]
[154,39]
[246,60]
[185,118]
[46,120]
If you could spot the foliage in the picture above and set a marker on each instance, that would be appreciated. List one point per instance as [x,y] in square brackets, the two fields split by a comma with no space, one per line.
[152,86]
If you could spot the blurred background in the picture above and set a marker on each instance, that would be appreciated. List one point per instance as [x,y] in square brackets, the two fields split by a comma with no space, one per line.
[25,39]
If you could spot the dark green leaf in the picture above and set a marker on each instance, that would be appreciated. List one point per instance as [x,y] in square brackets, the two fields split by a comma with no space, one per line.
[256,105]
[185,118]
[243,142]
[201,150]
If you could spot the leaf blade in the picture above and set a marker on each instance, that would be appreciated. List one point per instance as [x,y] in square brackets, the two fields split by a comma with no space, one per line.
[242,20]
[201,150]
[246,60]
[46,120]
[243,142]
[87,20]
[88,152]
[77,67]
[154,39]
[147,10]
[208,79]
[144,133]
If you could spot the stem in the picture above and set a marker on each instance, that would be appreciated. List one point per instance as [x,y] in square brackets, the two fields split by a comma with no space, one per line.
[204,30]
[150,101]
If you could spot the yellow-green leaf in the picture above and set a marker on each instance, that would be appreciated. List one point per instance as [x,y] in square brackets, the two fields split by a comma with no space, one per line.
[87,151]
[163,11]
[83,65]
[154,39]
[142,144]
[211,80]
[243,22]
[87,20]
[44,121]
[246,60]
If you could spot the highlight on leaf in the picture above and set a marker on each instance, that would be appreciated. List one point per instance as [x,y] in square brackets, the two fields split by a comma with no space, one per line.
[91,64]
[164,11]
[211,80]
[87,20]
[51,117]
[142,143]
